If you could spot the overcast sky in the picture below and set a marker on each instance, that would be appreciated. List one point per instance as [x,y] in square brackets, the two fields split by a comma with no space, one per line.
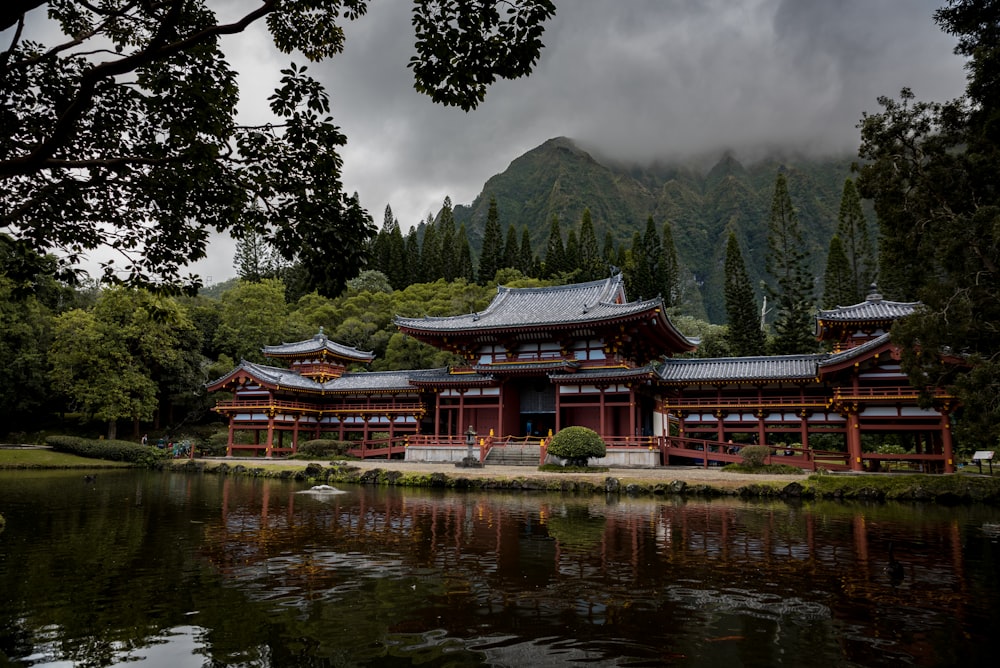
[635,79]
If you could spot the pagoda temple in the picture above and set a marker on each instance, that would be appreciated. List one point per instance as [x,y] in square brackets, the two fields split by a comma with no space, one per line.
[540,359]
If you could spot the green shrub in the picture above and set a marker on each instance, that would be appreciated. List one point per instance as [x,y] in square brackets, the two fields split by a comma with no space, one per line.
[110,450]
[576,445]
[754,455]
[323,448]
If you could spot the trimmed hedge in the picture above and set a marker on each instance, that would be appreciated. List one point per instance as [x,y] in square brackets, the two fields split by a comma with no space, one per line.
[323,448]
[576,445]
[115,451]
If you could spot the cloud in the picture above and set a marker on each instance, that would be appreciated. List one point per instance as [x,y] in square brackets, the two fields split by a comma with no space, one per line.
[639,80]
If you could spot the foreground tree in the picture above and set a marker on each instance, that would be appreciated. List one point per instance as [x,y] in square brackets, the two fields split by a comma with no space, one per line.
[122,132]
[931,170]
[106,361]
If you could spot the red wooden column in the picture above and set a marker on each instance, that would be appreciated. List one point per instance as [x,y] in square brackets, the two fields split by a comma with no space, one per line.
[461,411]
[558,410]
[946,444]
[269,446]
[854,440]
[295,433]
[437,413]
[229,441]
[603,427]
[720,426]
[632,408]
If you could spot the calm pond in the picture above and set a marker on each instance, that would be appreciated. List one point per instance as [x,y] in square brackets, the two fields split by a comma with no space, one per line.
[176,570]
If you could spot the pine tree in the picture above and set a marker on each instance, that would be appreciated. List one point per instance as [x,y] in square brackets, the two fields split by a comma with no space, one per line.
[838,282]
[787,264]
[652,249]
[464,269]
[555,252]
[670,270]
[572,256]
[430,253]
[448,252]
[525,255]
[852,228]
[254,259]
[510,249]
[745,336]
[591,264]
[412,254]
[492,254]
[638,272]
[398,269]
[609,252]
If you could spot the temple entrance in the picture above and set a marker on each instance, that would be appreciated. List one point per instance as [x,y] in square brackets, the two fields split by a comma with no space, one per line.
[538,407]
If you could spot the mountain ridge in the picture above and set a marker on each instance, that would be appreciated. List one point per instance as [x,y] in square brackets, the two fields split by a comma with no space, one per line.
[561,178]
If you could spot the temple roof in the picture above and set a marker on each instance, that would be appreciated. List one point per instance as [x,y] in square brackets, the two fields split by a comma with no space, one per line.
[852,354]
[553,305]
[318,344]
[277,377]
[872,309]
[597,375]
[740,369]
[445,376]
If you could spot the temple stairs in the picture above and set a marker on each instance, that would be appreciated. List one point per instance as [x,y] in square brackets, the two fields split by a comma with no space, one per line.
[515,455]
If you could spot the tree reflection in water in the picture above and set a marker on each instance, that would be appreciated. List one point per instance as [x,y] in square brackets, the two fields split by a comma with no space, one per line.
[239,571]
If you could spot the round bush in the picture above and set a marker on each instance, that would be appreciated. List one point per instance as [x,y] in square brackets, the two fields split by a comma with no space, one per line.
[576,445]
[755,455]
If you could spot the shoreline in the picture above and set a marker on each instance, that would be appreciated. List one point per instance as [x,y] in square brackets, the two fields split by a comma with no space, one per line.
[955,488]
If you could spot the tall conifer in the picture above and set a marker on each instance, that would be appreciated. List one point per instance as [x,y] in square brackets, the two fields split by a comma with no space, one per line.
[555,252]
[491,256]
[787,264]
[448,253]
[852,228]
[510,249]
[670,270]
[463,268]
[839,288]
[572,256]
[591,264]
[745,336]
[525,255]
[430,253]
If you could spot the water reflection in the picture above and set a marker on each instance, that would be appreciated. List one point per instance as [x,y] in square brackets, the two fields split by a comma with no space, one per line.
[179,570]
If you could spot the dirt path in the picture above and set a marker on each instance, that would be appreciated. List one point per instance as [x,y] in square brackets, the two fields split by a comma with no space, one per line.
[692,475]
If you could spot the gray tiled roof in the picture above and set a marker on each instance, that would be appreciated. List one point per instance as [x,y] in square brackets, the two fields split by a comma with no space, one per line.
[872,309]
[374,381]
[317,344]
[555,305]
[855,352]
[735,369]
[594,375]
[500,367]
[444,376]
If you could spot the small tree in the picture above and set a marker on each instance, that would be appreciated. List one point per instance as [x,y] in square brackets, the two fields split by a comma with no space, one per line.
[754,456]
[576,445]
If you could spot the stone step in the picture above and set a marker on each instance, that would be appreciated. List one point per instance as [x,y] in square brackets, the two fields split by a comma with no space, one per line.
[506,456]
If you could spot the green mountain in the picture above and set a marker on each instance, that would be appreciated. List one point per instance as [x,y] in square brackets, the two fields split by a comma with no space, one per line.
[560,178]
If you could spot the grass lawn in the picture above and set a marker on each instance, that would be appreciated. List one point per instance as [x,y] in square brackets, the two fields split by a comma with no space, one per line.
[30,458]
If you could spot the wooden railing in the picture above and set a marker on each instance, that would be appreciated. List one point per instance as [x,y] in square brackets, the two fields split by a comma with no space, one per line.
[709,403]
[885,392]
[304,407]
